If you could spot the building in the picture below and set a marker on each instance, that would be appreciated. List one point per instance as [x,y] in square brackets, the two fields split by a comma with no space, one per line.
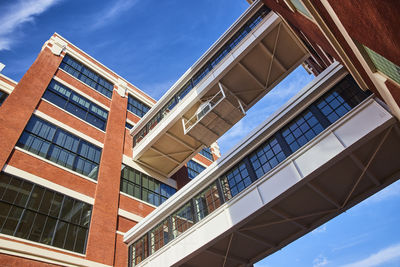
[69,189]
[86,156]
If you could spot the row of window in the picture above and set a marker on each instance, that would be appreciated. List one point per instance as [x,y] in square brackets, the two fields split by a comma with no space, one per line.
[197,77]
[206,152]
[194,168]
[144,187]
[3,96]
[76,104]
[315,118]
[32,212]
[100,84]
[57,145]
[136,106]
[87,76]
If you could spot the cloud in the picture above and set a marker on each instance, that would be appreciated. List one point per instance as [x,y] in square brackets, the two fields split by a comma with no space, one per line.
[351,242]
[18,13]
[321,229]
[112,12]
[383,256]
[320,261]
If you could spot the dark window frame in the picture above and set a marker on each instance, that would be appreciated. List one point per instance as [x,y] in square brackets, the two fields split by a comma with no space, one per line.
[41,208]
[72,146]
[69,101]
[87,76]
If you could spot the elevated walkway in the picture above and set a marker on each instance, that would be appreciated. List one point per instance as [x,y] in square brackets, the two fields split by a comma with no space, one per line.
[255,54]
[267,191]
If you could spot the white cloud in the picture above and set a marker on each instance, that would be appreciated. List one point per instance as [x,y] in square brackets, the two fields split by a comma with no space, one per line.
[321,229]
[320,261]
[15,15]
[378,259]
[112,12]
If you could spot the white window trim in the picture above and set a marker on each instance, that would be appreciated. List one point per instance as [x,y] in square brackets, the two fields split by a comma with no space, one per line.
[73,88]
[14,248]
[69,113]
[48,184]
[55,164]
[57,123]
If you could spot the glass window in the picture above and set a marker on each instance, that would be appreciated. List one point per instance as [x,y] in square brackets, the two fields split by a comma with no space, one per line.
[3,96]
[128,125]
[76,104]
[159,236]
[33,213]
[301,8]
[182,219]
[144,187]
[238,179]
[207,201]
[266,157]
[206,152]
[304,128]
[136,106]
[384,65]
[61,147]
[87,76]
[194,168]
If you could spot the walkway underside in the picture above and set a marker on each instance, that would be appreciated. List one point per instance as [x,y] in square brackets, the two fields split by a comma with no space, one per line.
[243,77]
[353,175]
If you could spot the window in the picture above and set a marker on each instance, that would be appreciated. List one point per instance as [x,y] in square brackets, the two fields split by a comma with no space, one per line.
[384,65]
[238,179]
[206,152]
[76,104]
[87,76]
[61,147]
[335,103]
[138,251]
[267,157]
[136,106]
[207,201]
[182,219]
[32,212]
[3,96]
[304,128]
[194,168]
[144,187]
[299,6]
[128,125]
[159,236]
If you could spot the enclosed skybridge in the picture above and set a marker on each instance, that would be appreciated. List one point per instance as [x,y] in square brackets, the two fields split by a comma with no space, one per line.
[254,55]
[327,149]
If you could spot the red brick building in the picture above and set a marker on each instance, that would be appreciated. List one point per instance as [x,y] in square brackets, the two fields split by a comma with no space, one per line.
[65,135]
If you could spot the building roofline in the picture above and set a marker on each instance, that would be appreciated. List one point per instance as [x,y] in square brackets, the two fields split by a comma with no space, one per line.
[130,86]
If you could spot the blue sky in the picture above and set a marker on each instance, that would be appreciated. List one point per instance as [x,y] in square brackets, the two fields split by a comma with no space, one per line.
[151,44]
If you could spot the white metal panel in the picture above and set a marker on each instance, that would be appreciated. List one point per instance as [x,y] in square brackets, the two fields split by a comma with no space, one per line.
[318,154]
[371,116]
[272,187]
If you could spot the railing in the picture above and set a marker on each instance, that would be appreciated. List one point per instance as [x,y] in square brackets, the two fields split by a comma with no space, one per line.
[327,109]
[198,76]
[204,109]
